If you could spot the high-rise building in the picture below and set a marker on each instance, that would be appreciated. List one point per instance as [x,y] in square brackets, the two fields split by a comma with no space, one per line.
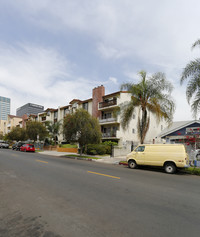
[29,109]
[4,107]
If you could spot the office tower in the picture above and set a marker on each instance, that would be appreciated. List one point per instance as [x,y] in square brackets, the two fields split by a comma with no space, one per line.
[4,107]
[29,109]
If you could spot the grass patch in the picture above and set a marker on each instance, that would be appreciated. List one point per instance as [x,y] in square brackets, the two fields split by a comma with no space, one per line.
[193,170]
[84,157]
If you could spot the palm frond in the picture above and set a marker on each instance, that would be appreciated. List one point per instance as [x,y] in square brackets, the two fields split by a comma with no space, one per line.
[192,87]
[196,43]
[191,69]
[195,106]
[128,110]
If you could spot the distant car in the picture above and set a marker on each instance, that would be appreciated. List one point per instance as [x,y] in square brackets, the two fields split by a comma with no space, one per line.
[14,146]
[27,147]
[19,144]
[4,145]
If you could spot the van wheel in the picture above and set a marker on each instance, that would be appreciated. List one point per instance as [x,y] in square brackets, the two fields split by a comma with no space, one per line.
[170,168]
[132,164]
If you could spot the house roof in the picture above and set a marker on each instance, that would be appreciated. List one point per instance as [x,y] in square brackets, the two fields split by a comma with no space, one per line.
[84,101]
[65,107]
[115,93]
[74,101]
[13,116]
[177,126]
[51,110]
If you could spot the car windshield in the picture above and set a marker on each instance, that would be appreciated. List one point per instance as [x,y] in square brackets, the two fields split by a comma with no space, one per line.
[140,149]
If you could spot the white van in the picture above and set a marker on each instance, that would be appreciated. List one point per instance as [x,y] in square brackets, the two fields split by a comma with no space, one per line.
[169,156]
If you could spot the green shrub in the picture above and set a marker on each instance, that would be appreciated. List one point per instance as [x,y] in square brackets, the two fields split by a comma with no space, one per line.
[93,152]
[109,143]
[96,149]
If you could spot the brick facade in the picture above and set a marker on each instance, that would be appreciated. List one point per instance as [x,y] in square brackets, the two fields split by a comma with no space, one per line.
[97,96]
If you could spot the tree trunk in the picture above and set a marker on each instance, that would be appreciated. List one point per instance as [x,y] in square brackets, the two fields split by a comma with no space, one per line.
[143,126]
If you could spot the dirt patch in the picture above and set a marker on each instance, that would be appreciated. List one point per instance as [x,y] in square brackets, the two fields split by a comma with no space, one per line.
[17,224]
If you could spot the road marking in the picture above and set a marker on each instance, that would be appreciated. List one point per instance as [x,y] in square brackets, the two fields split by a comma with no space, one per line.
[114,177]
[42,161]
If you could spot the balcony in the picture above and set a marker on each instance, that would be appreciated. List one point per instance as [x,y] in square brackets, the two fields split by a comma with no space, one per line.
[108,120]
[107,103]
[109,135]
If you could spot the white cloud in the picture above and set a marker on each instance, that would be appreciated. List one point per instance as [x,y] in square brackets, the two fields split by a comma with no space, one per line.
[151,35]
[113,80]
[39,75]
[110,52]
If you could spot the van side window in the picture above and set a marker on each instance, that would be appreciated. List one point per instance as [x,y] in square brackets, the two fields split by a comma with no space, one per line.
[140,149]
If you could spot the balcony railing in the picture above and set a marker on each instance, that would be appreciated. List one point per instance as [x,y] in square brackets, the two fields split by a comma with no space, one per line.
[108,120]
[109,134]
[107,103]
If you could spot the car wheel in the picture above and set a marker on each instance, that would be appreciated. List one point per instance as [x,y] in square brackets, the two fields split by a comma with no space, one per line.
[132,164]
[170,168]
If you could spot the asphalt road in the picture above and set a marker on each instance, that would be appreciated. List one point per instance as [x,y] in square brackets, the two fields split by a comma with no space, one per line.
[53,197]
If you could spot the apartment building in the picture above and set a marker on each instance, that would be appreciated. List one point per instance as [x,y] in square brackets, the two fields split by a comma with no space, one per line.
[11,122]
[107,109]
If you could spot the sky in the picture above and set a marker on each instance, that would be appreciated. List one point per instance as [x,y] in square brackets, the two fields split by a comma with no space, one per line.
[53,51]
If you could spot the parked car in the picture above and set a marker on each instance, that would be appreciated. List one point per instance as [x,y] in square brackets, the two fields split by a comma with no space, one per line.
[4,145]
[27,147]
[19,144]
[14,146]
[169,156]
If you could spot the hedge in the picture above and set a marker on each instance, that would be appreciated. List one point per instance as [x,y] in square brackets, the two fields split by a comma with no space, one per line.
[98,149]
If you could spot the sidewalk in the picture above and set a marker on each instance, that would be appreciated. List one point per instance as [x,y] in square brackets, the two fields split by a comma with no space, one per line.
[104,159]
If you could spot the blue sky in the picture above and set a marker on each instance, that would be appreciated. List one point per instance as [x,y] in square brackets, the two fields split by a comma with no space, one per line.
[54,51]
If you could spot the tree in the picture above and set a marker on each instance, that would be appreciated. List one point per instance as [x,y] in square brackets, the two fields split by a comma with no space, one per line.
[17,134]
[152,95]
[81,127]
[54,129]
[1,135]
[34,129]
[192,72]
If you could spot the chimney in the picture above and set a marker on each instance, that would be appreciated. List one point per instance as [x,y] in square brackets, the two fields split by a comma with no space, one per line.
[97,96]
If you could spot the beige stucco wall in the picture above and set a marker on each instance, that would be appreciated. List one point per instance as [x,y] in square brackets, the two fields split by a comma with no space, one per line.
[127,136]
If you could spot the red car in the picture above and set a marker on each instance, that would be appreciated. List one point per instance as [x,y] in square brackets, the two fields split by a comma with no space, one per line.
[27,147]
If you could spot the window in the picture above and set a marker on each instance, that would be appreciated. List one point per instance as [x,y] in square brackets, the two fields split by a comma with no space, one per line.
[66,111]
[85,106]
[55,114]
[133,130]
[140,149]
[161,127]
[133,116]
[106,115]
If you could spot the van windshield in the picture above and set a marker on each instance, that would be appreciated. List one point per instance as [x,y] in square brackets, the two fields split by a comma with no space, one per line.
[140,149]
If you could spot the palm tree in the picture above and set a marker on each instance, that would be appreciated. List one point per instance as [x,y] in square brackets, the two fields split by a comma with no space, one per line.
[192,71]
[150,96]
[54,129]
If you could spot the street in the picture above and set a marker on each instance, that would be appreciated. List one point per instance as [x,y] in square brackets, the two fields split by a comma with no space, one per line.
[58,197]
